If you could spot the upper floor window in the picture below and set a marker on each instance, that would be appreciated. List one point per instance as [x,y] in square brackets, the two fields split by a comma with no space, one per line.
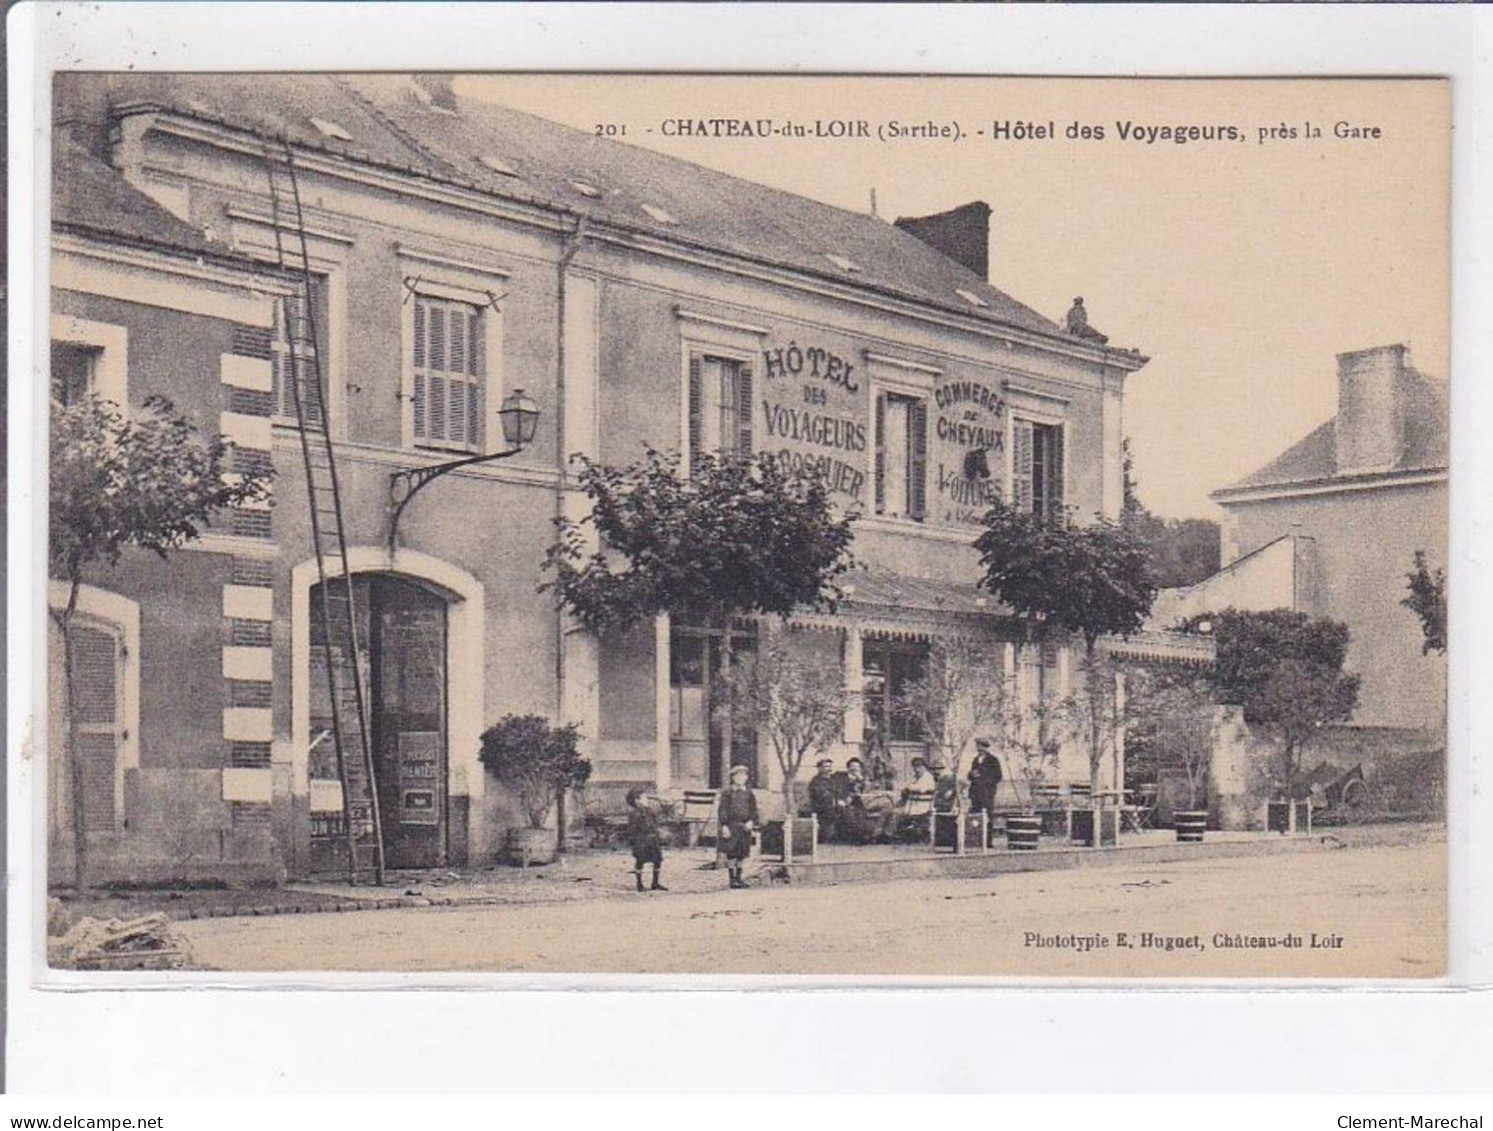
[720,405]
[1037,468]
[449,368]
[901,455]
[300,333]
[74,371]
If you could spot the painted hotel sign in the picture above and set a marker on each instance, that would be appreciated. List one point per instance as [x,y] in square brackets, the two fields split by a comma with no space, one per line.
[816,408]
[821,423]
[970,431]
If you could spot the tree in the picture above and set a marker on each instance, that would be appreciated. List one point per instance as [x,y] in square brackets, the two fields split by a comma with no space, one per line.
[1092,580]
[1169,721]
[1427,600]
[734,537]
[959,694]
[1285,669]
[797,705]
[119,483]
[540,763]
[1183,550]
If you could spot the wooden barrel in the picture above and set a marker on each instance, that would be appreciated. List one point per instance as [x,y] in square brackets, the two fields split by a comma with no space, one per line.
[1190,824]
[1022,832]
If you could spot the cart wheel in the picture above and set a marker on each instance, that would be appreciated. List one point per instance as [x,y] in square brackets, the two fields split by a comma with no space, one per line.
[1355,798]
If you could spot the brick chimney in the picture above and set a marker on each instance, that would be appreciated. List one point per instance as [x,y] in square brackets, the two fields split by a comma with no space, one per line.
[438,89]
[963,234]
[1371,396]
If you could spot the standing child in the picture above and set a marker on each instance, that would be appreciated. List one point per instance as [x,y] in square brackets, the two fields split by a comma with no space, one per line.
[642,835]
[738,817]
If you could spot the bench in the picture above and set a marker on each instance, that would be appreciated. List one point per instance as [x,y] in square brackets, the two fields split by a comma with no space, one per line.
[694,811]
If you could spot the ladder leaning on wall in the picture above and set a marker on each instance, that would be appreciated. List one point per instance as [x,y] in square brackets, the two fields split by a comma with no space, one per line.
[345,688]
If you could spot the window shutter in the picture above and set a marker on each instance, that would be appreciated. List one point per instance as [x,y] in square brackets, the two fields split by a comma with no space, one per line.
[695,428]
[1055,492]
[419,398]
[458,402]
[880,452]
[917,458]
[95,678]
[1021,464]
[436,417]
[477,351]
[744,392]
[458,360]
[419,334]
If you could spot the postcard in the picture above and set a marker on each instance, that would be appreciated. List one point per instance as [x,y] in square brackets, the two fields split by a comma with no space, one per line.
[855,527]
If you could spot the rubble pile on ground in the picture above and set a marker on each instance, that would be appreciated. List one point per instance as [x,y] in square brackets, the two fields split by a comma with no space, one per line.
[150,942]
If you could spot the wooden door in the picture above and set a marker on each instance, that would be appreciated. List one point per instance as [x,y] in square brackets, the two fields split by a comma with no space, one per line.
[408,653]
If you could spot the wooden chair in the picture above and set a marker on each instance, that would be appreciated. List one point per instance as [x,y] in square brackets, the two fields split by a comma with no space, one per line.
[1138,809]
[916,810]
[696,809]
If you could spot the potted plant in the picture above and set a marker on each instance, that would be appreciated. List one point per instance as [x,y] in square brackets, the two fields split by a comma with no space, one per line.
[798,706]
[1169,713]
[538,763]
[952,700]
[1032,753]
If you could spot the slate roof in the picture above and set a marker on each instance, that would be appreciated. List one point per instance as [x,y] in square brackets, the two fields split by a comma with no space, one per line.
[1314,458]
[90,196]
[393,123]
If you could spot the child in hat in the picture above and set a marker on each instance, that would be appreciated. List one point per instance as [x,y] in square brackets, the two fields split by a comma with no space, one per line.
[643,837]
[738,811]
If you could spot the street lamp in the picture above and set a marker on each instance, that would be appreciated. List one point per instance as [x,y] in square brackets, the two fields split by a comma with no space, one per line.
[519,418]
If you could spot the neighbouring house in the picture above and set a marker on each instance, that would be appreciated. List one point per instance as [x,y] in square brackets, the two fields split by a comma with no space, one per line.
[1331,527]
[460,250]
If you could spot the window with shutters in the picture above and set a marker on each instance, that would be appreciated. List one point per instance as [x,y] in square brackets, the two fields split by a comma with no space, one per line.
[449,367]
[298,340]
[1037,468]
[720,405]
[901,433]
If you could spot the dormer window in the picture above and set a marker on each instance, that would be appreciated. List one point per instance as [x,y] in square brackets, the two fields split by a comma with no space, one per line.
[659,214]
[331,129]
[970,297]
[842,262]
[585,189]
[497,165]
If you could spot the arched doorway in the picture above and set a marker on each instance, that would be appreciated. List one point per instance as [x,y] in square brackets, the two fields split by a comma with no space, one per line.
[403,624]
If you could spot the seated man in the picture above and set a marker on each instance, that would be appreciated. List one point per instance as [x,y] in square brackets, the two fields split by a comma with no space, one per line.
[912,811]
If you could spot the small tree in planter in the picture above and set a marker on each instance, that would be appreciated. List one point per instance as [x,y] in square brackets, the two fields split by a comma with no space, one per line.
[1034,750]
[959,694]
[1092,580]
[539,763]
[1170,714]
[797,705]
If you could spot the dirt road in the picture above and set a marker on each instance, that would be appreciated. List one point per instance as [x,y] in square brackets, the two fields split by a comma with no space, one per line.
[1378,911]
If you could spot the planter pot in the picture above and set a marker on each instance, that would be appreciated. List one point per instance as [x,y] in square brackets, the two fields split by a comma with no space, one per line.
[1055,822]
[1023,831]
[1095,828]
[1190,824]
[530,846]
[805,839]
[1288,817]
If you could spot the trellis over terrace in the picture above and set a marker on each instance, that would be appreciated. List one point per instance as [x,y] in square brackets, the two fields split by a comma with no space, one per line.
[879,636]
